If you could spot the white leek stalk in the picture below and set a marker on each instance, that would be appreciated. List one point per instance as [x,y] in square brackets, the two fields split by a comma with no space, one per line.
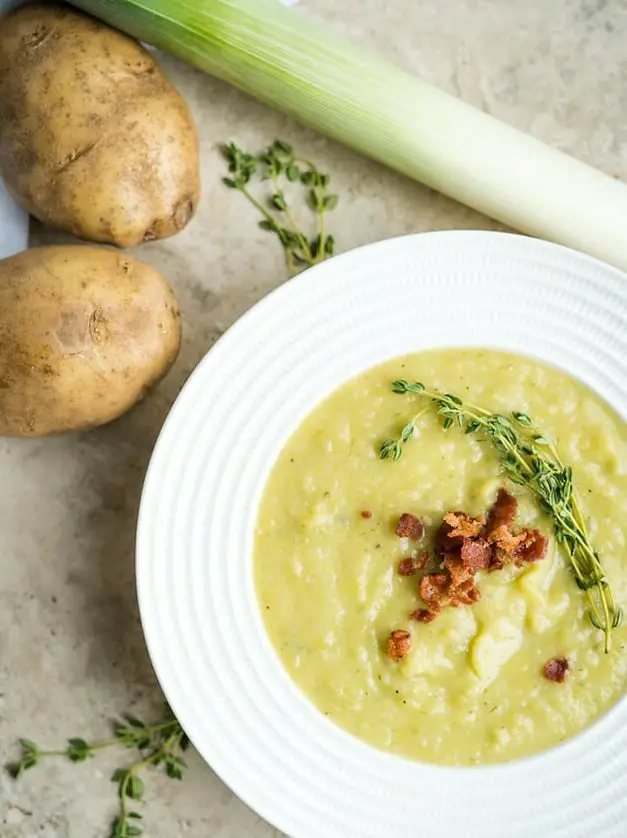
[296,65]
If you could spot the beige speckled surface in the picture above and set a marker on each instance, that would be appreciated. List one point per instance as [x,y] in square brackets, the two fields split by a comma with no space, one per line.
[71,649]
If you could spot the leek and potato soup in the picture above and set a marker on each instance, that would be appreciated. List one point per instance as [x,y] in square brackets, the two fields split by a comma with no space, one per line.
[440,556]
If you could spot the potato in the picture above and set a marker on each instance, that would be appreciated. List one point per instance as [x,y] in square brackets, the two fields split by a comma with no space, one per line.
[94,139]
[85,332]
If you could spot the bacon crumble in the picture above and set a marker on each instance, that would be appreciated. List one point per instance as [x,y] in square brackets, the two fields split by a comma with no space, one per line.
[504,544]
[475,554]
[466,594]
[463,526]
[557,670]
[502,512]
[409,526]
[455,527]
[413,564]
[422,615]
[434,588]
[532,548]
[399,644]
[459,572]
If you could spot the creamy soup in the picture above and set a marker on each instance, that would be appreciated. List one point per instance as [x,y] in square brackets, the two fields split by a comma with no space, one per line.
[471,689]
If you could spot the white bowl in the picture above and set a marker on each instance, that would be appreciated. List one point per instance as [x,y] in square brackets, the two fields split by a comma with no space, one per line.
[194,550]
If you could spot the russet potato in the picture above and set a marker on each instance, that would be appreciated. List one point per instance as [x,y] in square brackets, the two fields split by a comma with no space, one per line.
[85,332]
[94,139]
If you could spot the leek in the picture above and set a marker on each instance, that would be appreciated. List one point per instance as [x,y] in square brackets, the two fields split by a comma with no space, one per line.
[294,64]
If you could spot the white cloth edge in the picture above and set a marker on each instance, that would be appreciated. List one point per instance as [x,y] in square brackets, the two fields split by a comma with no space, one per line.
[13,220]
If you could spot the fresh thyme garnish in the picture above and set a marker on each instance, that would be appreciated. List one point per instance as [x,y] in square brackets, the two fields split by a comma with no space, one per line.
[529,459]
[276,165]
[159,744]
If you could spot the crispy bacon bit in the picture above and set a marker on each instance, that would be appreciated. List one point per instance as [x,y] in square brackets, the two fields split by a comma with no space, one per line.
[411,565]
[459,572]
[526,546]
[498,560]
[463,526]
[557,670]
[532,547]
[502,512]
[409,526]
[443,542]
[505,540]
[423,616]
[407,567]
[475,554]
[366,513]
[466,594]
[504,544]
[399,644]
[455,527]
[434,589]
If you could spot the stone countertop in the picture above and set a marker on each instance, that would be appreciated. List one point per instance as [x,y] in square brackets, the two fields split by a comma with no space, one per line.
[72,655]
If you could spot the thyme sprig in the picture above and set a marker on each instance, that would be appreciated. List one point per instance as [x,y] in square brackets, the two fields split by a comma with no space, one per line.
[159,745]
[529,459]
[276,165]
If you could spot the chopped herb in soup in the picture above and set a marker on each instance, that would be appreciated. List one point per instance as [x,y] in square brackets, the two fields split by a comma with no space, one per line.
[438,606]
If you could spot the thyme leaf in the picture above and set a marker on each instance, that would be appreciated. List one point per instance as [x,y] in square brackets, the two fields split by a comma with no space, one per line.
[276,163]
[160,744]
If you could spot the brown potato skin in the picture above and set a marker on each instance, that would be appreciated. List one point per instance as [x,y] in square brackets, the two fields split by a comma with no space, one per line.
[94,139]
[85,332]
